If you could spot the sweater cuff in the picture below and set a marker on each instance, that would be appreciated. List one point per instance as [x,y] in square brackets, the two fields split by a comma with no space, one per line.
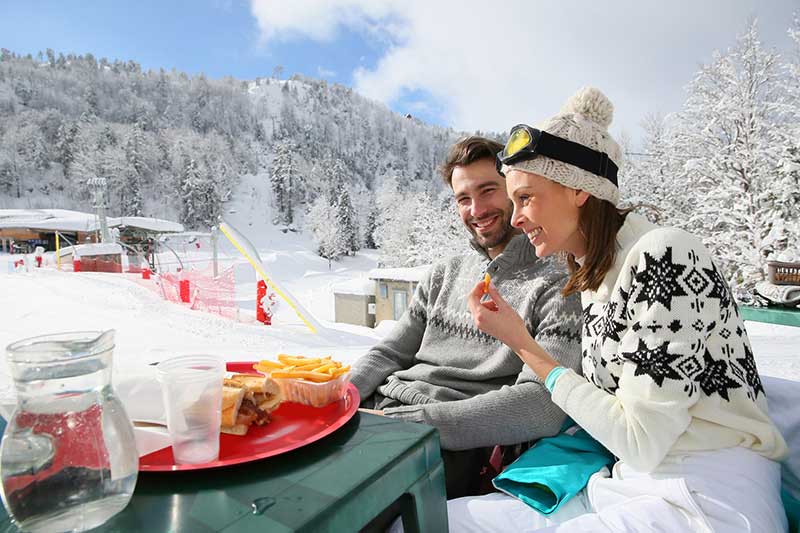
[552,377]
[562,388]
[409,413]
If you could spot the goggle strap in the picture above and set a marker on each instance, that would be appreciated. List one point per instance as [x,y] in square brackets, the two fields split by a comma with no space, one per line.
[578,155]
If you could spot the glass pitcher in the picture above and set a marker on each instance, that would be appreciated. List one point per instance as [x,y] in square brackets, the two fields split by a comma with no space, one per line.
[68,458]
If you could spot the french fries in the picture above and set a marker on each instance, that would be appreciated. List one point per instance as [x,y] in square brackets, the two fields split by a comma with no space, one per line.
[316,369]
[486,280]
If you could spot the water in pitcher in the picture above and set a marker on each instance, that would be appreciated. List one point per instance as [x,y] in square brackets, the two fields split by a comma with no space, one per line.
[68,458]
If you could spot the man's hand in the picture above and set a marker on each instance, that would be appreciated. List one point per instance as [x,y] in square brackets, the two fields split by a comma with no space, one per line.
[371,411]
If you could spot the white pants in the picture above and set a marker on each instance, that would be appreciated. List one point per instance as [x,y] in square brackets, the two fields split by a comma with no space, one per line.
[730,490]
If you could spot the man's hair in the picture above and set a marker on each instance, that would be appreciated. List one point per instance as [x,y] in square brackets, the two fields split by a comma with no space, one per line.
[467,151]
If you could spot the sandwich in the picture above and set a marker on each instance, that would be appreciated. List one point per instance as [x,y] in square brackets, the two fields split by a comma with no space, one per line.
[246,400]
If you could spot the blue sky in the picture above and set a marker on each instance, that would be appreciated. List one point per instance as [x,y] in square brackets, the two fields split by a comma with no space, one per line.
[451,62]
[218,38]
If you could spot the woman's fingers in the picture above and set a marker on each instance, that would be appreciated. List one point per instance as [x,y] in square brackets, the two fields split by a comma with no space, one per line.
[496,298]
[474,299]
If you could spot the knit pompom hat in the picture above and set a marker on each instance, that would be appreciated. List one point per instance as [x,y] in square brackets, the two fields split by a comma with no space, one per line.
[584,119]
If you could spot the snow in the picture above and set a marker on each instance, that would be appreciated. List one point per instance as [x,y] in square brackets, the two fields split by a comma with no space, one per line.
[104,248]
[150,224]
[148,328]
[48,219]
[358,287]
[66,220]
[400,274]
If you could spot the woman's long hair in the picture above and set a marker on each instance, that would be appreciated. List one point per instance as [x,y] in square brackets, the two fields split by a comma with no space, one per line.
[598,221]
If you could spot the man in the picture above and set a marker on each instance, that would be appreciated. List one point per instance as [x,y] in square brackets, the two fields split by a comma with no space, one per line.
[435,367]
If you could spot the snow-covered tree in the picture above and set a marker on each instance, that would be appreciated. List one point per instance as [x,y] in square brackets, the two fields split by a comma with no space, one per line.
[191,193]
[321,220]
[282,180]
[346,222]
[732,149]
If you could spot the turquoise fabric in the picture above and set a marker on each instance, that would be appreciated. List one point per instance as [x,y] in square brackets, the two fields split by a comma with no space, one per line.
[554,470]
[552,377]
[792,507]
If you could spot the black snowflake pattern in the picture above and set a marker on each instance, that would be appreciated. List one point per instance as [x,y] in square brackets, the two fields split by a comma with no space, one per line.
[659,281]
[656,362]
[715,378]
[612,328]
[588,318]
[752,378]
[719,289]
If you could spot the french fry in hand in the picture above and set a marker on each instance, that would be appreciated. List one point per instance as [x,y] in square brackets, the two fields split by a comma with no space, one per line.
[486,280]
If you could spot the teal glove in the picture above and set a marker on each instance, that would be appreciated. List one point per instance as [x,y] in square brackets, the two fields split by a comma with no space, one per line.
[554,470]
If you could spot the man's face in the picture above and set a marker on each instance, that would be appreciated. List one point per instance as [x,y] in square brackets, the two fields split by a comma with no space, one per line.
[483,204]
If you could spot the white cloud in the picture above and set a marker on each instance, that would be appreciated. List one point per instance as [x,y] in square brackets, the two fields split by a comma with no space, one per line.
[323,72]
[518,61]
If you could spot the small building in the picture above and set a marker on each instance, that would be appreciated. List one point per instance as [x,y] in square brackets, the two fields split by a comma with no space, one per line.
[21,230]
[98,257]
[354,302]
[394,288]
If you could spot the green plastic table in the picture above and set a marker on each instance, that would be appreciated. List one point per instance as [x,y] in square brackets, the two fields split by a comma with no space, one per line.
[771,315]
[337,484]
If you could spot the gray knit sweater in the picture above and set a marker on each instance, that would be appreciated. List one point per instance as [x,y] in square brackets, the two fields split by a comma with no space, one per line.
[446,373]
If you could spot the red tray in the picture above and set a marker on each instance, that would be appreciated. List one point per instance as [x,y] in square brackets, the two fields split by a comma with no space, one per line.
[293,425]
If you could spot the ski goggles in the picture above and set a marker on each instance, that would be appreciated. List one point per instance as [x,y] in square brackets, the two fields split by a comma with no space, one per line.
[527,143]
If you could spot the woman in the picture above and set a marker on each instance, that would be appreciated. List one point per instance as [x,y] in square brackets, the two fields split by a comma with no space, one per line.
[670,387]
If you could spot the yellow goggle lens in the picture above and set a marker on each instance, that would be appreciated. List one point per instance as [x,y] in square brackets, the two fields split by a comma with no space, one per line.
[518,140]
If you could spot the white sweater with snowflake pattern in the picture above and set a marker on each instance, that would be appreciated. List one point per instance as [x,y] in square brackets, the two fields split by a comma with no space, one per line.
[667,363]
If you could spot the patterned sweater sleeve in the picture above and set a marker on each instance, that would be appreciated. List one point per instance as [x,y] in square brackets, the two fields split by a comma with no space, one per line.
[515,413]
[398,349]
[660,358]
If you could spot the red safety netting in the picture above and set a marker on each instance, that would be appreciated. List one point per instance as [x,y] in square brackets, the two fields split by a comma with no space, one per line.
[202,291]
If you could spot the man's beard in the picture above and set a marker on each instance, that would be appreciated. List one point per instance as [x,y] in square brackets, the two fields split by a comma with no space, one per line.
[501,235]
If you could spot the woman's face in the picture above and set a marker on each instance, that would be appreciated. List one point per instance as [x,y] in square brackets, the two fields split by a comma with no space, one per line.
[547,212]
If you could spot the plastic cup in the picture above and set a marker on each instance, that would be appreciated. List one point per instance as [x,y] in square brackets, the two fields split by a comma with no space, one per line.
[192,390]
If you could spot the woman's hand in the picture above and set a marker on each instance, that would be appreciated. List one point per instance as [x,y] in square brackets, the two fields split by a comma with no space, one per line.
[496,318]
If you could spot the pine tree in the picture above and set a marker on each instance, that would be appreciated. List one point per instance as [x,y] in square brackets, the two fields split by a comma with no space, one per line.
[65,146]
[282,180]
[191,193]
[369,230]
[346,223]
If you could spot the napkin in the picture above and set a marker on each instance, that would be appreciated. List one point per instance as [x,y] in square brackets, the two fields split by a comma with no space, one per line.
[151,439]
[140,393]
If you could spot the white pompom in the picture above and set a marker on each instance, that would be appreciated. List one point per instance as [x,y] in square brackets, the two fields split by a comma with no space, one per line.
[592,104]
